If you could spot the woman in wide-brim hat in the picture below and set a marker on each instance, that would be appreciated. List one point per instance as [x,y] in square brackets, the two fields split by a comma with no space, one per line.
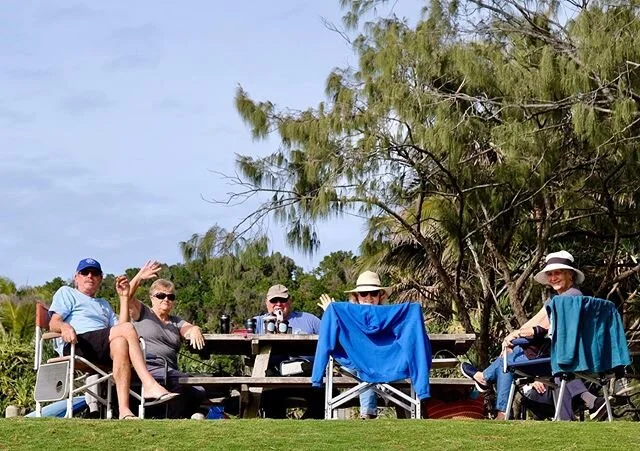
[560,274]
[369,290]
[560,263]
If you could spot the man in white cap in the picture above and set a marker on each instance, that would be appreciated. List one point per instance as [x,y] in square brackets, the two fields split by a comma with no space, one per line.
[562,276]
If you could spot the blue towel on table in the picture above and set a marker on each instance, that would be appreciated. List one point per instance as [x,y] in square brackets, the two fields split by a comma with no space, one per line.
[587,335]
[383,342]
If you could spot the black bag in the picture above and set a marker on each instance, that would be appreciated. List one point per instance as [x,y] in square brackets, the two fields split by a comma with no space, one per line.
[538,348]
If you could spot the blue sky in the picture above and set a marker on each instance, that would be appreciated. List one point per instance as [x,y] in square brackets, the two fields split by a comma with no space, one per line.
[115,115]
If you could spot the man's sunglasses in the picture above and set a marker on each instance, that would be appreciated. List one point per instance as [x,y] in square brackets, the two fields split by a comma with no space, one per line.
[162,296]
[278,301]
[373,294]
[93,272]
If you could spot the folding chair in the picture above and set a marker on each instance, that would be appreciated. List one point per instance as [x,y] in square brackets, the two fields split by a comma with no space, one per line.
[65,377]
[389,331]
[526,372]
[386,391]
[587,342]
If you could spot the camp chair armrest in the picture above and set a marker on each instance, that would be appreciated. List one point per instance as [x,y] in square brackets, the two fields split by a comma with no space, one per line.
[51,335]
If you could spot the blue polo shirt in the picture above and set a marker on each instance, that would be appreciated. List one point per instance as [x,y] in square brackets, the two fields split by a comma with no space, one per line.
[82,312]
[300,323]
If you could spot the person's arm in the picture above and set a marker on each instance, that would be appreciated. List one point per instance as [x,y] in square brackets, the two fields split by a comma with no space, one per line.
[123,290]
[193,334]
[528,329]
[62,306]
[148,271]
[56,324]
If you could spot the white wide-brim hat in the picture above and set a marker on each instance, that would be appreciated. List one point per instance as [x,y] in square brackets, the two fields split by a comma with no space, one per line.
[558,260]
[369,281]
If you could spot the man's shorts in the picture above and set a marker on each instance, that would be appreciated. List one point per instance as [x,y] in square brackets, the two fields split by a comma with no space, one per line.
[93,346]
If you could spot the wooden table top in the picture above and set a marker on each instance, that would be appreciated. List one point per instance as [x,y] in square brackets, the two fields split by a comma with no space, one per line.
[302,344]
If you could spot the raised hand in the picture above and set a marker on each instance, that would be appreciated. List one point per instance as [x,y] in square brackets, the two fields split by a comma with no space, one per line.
[122,286]
[149,270]
[325,300]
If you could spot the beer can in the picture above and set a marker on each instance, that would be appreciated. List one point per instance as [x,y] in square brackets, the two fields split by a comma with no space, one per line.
[225,324]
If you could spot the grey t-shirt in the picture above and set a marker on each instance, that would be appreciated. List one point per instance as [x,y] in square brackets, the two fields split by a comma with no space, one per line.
[161,339]
[573,291]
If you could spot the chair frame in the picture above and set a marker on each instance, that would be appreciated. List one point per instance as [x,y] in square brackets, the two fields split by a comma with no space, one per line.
[75,384]
[519,370]
[411,403]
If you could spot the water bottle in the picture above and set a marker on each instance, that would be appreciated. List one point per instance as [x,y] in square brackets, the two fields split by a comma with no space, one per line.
[225,324]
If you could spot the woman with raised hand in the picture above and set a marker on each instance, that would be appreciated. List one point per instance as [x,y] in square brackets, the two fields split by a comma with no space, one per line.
[163,334]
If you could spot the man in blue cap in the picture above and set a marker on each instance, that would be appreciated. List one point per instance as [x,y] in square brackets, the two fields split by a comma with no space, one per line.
[91,323]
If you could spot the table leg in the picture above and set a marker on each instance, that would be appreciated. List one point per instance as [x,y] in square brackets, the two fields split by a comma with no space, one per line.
[250,396]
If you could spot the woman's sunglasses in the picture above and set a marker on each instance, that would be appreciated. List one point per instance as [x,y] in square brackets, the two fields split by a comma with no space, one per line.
[162,296]
[373,294]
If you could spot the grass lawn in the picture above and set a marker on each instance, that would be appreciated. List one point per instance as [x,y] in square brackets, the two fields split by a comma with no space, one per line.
[59,434]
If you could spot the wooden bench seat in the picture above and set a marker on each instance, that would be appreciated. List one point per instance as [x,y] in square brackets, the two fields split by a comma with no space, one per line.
[274,382]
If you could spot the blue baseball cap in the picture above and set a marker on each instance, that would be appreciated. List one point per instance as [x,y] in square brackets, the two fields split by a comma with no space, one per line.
[88,263]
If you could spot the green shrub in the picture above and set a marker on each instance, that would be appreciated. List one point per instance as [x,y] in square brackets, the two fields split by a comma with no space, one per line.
[17,377]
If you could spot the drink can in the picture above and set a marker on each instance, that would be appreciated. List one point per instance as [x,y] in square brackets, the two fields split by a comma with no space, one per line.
[250,325]
[282,327]
[225,324]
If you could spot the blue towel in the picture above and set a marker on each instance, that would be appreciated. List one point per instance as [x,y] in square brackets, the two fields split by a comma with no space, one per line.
[383,342]
[587,335]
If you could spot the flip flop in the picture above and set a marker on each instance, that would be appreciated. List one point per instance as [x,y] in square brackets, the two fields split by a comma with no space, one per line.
[130,417]
[160,399]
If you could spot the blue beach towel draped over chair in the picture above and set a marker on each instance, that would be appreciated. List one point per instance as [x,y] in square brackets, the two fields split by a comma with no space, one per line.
[383,342]
[587,335]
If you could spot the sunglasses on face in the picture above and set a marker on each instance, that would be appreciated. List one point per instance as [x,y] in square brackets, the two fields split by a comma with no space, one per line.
[93,272]
[162,296]
[373,294]
[278,301]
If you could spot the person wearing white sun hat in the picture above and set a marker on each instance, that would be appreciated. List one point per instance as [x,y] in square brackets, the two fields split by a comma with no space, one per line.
[561,274]
[370,291]
[559,261]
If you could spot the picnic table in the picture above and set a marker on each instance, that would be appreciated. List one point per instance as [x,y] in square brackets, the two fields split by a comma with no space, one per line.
[445,349]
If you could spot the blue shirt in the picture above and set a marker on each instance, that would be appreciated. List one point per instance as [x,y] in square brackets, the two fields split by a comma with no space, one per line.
[82,312]
[300,323]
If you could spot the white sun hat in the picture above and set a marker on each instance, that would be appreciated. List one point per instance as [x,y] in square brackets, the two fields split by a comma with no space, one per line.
[368,281]
[558,260]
